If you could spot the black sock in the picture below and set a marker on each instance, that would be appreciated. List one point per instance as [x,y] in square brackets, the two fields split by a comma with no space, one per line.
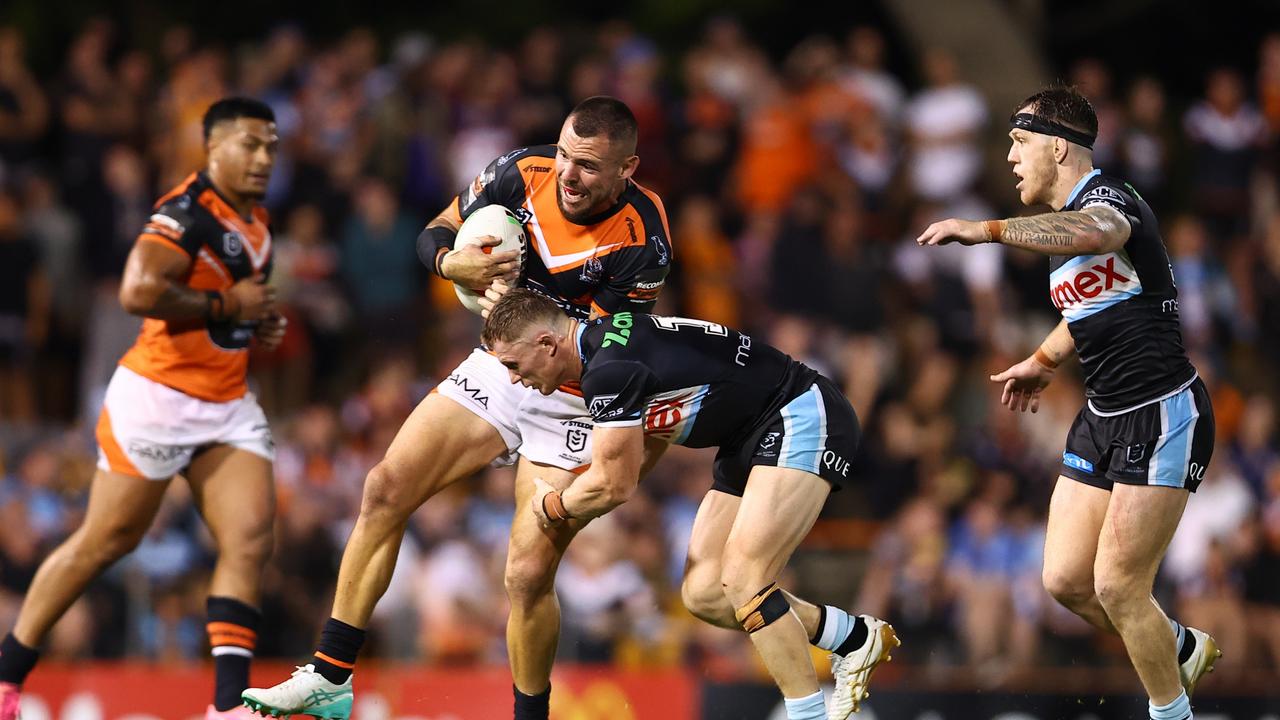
[1187,647]
[233,635]
[822,623]
[16,660]
[857,636]
[336,654]
[532,707]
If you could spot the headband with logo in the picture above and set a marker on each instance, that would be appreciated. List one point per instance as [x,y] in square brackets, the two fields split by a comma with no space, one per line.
[1027,121]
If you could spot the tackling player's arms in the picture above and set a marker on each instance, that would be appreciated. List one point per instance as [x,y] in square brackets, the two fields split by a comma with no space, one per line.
[617,453]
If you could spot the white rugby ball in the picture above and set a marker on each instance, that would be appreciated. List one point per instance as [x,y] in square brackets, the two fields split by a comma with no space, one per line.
[495,221]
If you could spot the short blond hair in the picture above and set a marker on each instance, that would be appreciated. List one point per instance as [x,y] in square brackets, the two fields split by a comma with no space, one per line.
[516,312]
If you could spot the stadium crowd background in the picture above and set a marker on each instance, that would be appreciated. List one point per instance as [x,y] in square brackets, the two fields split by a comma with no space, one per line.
[794,179]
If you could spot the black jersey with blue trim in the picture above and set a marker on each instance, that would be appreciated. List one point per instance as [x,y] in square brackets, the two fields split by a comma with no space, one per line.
[692,382]
[1122,306]
[616,260]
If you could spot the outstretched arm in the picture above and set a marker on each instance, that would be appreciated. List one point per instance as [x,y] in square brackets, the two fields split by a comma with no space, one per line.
[1092,231]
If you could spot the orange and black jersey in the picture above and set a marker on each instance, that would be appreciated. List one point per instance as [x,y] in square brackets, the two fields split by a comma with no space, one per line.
[204,359]
[617,260]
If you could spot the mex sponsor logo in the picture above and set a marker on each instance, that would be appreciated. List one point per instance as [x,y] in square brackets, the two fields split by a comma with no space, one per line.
[1097,277]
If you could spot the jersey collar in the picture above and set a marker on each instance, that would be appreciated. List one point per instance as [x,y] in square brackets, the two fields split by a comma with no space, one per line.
[582,351]
[1080,186]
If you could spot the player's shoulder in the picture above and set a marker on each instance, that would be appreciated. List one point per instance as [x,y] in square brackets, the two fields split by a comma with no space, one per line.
[526,157]
[648,206]
[178,211]
[645,220]
[1108,190]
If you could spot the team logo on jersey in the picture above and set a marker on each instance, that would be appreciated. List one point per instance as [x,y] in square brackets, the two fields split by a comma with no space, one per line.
[1089,283]
[575,439]
[592,270]
[232,243]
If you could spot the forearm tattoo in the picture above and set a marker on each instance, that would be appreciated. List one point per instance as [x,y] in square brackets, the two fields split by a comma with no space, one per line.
[1064,230]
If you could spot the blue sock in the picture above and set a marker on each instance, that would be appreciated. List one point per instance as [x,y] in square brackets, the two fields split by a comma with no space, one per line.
[838,631]
[806,708]
[1179,709]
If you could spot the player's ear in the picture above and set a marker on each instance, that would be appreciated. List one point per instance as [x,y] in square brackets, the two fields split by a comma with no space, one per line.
[1060,148]
[629,167]
[547,340]
[216,135]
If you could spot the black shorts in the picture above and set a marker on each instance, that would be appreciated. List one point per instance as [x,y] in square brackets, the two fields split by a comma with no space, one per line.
[1167,443]
[817,432]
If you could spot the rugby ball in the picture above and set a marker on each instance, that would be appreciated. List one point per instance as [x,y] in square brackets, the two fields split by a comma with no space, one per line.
[489,221]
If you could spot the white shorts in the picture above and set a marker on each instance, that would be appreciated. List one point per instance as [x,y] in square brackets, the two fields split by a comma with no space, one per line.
[151,431]
[550,429]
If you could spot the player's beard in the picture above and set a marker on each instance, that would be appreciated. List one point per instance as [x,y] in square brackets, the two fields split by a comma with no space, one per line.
[587,210]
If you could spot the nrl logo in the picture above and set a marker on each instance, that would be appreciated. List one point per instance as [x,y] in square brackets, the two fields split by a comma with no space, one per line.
[232,243]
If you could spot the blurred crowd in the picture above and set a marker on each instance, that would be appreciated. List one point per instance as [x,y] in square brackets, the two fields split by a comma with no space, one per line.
[795,186]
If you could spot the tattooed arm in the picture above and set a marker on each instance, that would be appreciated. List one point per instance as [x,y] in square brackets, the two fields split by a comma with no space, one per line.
[1092,231]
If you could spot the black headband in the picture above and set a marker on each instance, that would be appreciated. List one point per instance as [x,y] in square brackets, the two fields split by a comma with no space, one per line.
[1027,121]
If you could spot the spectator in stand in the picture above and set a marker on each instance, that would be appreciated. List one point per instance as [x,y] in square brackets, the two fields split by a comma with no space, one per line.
[379,263]
[24,314]
[1227,136]
[24,109]
[943,124]
[1146,143]
[1093,78]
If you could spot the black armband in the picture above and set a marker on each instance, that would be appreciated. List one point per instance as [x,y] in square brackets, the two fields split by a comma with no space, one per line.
[215,306]
[431,241]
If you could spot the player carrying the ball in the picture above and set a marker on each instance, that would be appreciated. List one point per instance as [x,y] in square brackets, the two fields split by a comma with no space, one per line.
[598,243]
[1141,443]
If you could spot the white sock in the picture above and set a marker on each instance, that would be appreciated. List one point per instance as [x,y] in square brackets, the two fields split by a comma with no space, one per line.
[835,628]
[811,707]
